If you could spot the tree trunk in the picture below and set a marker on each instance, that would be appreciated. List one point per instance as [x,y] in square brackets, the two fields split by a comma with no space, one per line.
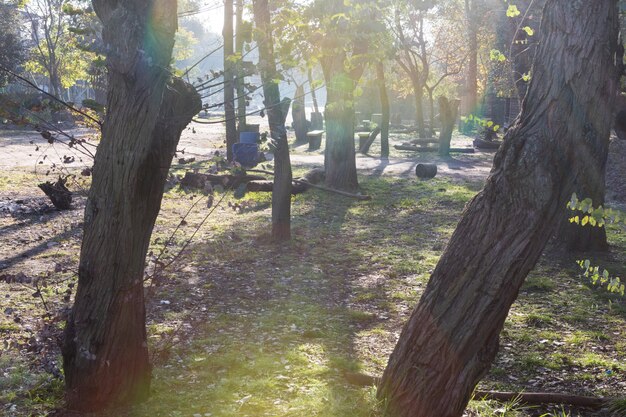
[105,355]
[451,338]
[229,84]
[298,114]
[431,109]
[448,111]
[384,104]
[339,155]
[241,94]
[472,65]
[418,88]
[281,195]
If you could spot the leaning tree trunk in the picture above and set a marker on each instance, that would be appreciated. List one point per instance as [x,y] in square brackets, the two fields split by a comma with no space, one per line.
[339,155]
[451,338]
[281,194]
[105,354]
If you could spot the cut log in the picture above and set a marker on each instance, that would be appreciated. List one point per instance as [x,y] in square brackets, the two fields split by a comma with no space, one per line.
[58,193]
[426,170]
[431,149]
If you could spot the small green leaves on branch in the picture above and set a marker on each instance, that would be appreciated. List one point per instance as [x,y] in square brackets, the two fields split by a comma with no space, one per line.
[587,214]
[485,123]
[496,55]
[613,284]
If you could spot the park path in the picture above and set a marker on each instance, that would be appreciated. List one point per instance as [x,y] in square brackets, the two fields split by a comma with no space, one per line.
[26,149]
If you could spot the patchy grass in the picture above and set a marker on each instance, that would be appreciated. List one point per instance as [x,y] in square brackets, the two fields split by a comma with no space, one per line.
[241,327]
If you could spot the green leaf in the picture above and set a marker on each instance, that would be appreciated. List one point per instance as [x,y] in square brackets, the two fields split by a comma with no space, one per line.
[529,31]
[512,11]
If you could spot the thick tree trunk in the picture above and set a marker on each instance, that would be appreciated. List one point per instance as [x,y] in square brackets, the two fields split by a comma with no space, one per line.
[298,114]
[448,111]
[339,155]
[385,108]
[451,337]
[281,195]
[418,88]
[105,354]
[229,82]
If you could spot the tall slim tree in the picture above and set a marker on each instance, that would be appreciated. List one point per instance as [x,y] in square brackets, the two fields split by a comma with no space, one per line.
[229,79]
[386,114]
[276,114]
[240,38]
[105,352]
[452,336]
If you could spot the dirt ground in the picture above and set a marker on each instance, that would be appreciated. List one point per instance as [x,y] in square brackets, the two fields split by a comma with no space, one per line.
[37,241]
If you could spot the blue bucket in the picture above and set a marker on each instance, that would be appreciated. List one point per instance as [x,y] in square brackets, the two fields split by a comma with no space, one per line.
[249,137]
[247,154]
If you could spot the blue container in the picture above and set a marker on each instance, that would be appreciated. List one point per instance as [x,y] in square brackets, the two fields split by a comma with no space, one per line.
[247,154]
[249,137]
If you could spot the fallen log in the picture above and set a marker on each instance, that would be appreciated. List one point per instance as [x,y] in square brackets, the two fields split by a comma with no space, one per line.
[197,180]
[538,398]
[361,197]
[431,149]
[268,186]
[423,141]
[530,398]
[58,193]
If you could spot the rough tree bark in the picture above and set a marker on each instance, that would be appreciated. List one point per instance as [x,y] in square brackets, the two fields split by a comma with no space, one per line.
[339,154]
[317,121]
[298,114]
[229,80]
[452,336]
[448,111]
[105,355]
[281,194]
[384,103]
[472,64]
[240,81]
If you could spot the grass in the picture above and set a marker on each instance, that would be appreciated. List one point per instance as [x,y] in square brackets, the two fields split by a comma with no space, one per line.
[242,327]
